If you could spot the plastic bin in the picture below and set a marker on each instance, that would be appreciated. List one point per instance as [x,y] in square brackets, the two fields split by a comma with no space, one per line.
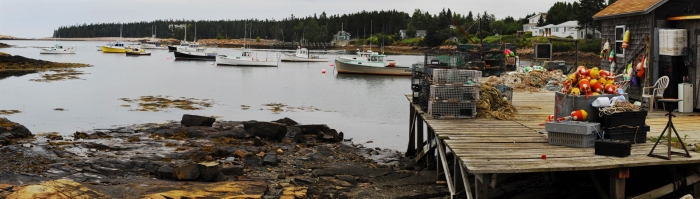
[573,127]
[572,140]
[617,148]
[637,118]
[565,104]
[631,134]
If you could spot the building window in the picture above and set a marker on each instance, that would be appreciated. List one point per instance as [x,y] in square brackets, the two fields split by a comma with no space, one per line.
[564,29]
[619,34]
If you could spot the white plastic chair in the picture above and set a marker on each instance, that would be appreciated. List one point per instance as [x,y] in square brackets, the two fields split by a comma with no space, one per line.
[657,92]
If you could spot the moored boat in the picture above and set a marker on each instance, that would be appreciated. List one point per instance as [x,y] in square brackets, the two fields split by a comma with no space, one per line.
[137,52]
[375,65]
[58,49]
[361,56]
[203,56]
[245,59]
[116,47]
[302,55]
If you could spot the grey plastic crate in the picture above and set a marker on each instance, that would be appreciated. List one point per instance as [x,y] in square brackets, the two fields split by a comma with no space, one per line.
[572,140]
[574,127]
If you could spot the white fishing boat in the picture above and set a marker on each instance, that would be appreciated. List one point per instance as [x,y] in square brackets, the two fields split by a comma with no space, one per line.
[58,49]
[190,47]
[374,65]
[183,43]
[137,52]
[245,59]
[302,55]
[361,56]
[152,43]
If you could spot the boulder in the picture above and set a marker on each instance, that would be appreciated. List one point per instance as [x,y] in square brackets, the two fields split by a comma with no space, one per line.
[294,134]
[258,142]
[209,171]
[266,130]
[54,136]
[252,161]
[196,120]
[312,129]
[286,121]
[232,170]
[330,135]
[165,172]
[270,159]
[188,172]
[10,130]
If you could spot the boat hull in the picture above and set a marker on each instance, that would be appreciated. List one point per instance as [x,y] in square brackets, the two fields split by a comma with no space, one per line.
[137,54]
[347,59]
[293,58]
[107,49]
[225,60]
[353,68]
[172,48]
[151,46]
[194,56]
[56,51]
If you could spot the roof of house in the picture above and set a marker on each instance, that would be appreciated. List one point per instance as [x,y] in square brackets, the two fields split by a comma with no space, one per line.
[628,7]
[421,31]
[538,14]
[568,24]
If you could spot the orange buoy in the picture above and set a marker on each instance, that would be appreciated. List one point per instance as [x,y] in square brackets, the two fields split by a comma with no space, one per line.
[323,71]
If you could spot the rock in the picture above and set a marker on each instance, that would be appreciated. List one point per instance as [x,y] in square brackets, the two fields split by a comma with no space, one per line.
[80,135]
[281,176]
[239,154]
[229,189]
[54,136]
[286,121]
[279,152]
[232,170]
[189,172]
[165,172]
[258,142]
[253,161]
[305,180]
[266,130]
[312,129]
[270,159]
[209,171]
[165,132]
[208,158]
[6,187]
[347,178]
[330,135]
[198,131]
[106,170]
[58,189]
[294,134]
[196,120]
[102,147]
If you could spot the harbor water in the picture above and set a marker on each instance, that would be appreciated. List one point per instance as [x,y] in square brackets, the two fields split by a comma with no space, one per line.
[370,109]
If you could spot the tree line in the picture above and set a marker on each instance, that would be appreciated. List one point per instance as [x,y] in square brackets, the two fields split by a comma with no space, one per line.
[321,28]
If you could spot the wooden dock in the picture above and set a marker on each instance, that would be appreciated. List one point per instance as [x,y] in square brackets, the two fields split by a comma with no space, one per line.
[491,148]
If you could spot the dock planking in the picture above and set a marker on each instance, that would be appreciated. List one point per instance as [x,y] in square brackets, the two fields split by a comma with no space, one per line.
[487,146]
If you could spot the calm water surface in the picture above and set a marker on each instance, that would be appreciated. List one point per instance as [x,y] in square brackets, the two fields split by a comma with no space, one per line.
[365,108]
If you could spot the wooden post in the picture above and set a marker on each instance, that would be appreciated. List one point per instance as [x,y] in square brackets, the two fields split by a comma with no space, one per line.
[483,181]
[432,164]
[420,140]
[411,151]
[617,182]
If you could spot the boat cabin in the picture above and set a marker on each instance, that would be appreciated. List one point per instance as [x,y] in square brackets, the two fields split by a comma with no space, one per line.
[376,58]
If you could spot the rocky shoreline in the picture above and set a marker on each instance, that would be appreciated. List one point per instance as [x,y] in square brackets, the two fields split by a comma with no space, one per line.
[200,157]
[18,65]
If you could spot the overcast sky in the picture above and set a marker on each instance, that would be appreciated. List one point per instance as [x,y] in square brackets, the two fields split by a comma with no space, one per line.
[38,18]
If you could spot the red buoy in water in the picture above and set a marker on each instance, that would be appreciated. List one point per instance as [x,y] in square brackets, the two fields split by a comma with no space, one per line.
[331,64]
[323,71]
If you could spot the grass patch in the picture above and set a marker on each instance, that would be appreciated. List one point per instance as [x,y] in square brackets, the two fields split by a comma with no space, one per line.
[9,112]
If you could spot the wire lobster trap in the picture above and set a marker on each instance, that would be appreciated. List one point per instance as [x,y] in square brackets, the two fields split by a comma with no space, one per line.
[454,93]
[452,110]
[456,77]
[447,60]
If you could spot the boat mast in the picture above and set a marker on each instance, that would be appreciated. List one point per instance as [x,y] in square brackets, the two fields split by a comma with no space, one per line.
[370,35]
[120,32]
[185,39]
[245,24]
[195,32]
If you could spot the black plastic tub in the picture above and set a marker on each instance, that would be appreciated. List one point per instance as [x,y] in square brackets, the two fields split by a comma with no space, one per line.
[631,134]
[637,118]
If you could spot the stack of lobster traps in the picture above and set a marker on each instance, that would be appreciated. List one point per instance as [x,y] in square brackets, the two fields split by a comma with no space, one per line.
[445,87]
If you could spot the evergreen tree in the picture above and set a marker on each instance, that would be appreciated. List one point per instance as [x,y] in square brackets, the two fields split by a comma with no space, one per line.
[540,22]
[587,9]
